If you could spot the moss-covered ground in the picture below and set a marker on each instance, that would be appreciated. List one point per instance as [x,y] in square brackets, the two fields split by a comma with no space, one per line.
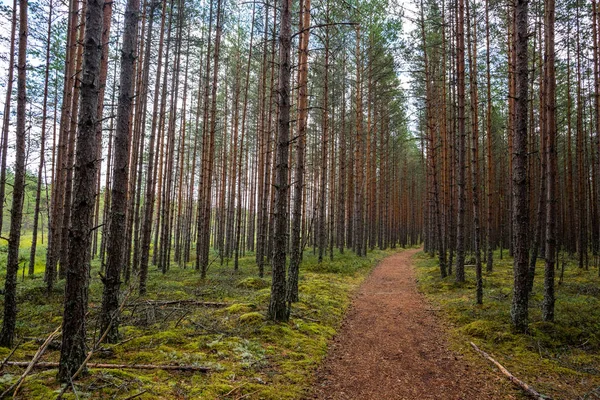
[560,359]
[249,357]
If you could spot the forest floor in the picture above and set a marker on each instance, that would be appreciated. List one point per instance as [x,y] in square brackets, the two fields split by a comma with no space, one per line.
[392,345]
[247,356]
[559,359]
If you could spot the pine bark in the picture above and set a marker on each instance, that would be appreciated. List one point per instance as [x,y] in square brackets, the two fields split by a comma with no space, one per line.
[461,180]
[551,157]
[296,241]
[116,232]
[520,207]
[278,310]
[16,215]
[6,114]
[73,350]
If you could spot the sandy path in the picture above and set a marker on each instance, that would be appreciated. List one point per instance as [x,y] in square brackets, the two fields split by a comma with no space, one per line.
[392,346]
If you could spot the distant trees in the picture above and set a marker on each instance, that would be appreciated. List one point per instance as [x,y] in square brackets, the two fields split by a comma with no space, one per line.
[529,193]
[160,144]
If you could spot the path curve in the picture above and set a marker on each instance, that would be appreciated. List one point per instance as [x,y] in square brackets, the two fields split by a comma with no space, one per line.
[392,346]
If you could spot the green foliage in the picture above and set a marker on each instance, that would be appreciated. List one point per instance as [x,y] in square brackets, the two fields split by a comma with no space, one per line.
[248,355]
[560,359]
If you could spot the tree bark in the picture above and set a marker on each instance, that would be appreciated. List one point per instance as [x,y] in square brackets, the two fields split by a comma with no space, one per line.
[77,270]
[116,231]
[520,210]
[551,172]
[278,310]
[16,215]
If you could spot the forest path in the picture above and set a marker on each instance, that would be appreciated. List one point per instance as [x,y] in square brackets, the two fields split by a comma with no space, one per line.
[392,346]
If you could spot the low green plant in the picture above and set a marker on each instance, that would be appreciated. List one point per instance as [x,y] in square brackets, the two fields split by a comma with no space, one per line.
[560,359]
[248,355]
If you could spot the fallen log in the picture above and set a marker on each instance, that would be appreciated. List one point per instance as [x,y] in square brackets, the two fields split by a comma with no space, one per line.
[50,365]
[178,302]
[522,385]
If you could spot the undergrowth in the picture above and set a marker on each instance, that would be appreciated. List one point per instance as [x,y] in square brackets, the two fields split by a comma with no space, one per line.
[249,357]
[560,359]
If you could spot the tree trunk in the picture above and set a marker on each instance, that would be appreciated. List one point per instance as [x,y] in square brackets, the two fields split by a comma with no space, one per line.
[16,215]
[460,221]
[278,310]
[551,172]
[296,242]
[6,115]
[38,190]
[73,350]
[116,231]
[520,211]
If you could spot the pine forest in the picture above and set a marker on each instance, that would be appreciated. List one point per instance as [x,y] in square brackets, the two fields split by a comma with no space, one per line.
[300,199]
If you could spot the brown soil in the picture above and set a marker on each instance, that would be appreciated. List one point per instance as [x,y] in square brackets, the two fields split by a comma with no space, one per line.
[393,346]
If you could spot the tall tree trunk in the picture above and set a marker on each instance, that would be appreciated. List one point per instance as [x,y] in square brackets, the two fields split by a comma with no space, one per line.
[324,147]
[149,198]
[490,161]
[551,172]
[6,114]
[296,242]
[475,151]
[16,215]
[38,190]
[73,348]
[116,232]
[278,310]
[358,225]
[520,211]
[460,221]
[58,186]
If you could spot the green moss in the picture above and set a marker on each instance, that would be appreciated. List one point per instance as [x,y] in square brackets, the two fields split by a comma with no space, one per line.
[253,283]
[481,329]
[559,359]
[252,318]
[240,308]
[246,353]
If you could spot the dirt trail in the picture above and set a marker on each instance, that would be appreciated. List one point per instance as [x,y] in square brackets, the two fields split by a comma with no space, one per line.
[392,346]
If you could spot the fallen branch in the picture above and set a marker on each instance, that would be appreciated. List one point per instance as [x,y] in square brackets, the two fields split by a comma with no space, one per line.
[178,302]
[10,355]
[96,346]
[136,395]
[50,365]
[29,364]
[525,387]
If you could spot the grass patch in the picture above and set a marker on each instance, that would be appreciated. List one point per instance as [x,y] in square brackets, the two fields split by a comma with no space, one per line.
[560,359]
[249,356]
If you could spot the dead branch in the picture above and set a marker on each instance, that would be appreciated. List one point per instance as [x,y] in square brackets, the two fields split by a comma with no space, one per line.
[10,355]
[29,364]
[136,395]
[93,349]
[50,365]
[178,302]
[525,387]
